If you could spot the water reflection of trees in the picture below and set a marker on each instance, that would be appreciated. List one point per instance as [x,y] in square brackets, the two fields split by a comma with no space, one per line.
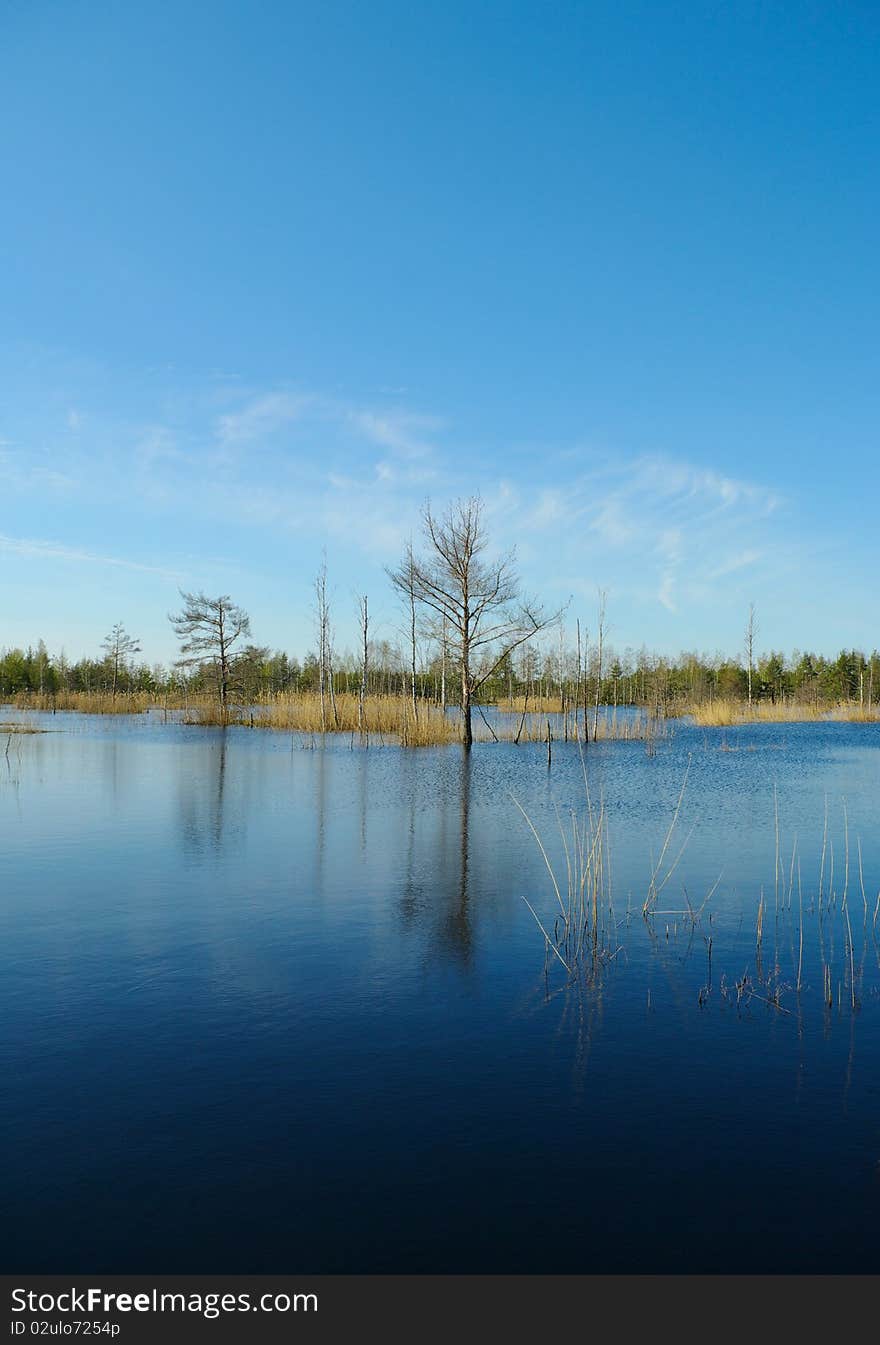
[455,929]
[203,786]
[436,894]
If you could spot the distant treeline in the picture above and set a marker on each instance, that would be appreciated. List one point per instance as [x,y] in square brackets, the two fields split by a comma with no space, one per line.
[530,674]
[468,637]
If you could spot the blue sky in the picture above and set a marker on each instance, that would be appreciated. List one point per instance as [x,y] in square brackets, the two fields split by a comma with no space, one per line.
[273,274]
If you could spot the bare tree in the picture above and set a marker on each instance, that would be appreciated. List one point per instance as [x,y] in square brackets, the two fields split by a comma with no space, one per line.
[404,580]
[601,642]
[364,621]
[326,683]
[560,677]
[208,628]
[119,646]
[751,632]
[585,679]
[322,618]
[476,598]
[444,649]
[577,685]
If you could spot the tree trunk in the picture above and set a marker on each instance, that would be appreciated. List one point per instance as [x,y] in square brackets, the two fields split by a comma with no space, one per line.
[363,690]
[599,666]
[577,687]
[467,730]
[322,664]
[332,686]
[443,671]
[412,636]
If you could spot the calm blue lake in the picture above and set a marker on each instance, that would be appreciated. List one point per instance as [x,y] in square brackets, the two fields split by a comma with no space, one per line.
[267,1006]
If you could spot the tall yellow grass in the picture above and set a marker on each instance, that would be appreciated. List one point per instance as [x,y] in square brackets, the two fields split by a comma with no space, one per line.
[539,705]
[610,727]
[856,714]
[724,713]
[386,718]
[91,702]
[391,718]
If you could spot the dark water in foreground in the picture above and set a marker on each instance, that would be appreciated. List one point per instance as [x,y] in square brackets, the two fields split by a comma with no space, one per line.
[266,1008]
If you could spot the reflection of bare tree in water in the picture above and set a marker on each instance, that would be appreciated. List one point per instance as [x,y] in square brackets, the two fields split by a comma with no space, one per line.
[217,812]
[456,933]
[412,900]
[203,812]
[113,749]
[320,811]
[421,880]
[436,888]
[363,783]
[458,926]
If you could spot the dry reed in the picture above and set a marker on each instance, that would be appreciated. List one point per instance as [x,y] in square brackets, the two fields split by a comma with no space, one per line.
[584,927]
[386,717]
[582,934]
[92,702]
[724,713]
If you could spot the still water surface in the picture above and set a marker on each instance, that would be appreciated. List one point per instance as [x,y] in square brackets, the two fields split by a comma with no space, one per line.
[273,1007]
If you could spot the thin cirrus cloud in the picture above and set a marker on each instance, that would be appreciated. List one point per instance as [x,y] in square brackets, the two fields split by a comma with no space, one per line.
[741,561]
[353,472]
[34,548]
[665,592]
[399,432]
[260,417]
[357,476]
[647,527]
[23,471]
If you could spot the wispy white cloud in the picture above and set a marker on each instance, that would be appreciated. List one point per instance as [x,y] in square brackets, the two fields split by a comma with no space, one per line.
[611,525]
[663,534]
[550,509]
[740,561]
[156,444]
[24,472]
[34,548]
[261,416]
[648,526]
[669,544]
[665,592]
[401,432]
[670,551]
